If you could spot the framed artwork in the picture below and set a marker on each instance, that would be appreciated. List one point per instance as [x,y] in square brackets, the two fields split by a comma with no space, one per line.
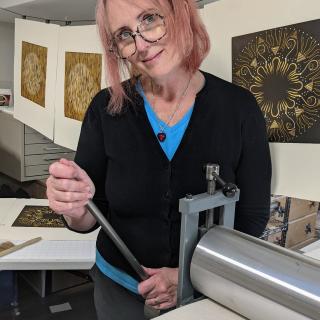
[281,68]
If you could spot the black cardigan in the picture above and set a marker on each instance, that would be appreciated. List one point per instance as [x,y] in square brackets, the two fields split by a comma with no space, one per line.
[138,188]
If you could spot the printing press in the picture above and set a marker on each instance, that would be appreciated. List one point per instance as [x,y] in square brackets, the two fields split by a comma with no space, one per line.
[238,276]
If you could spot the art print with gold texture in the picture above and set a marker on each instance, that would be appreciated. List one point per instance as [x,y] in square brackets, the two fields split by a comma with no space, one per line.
[38,216]
[281,68]
[33,72]
[82,82]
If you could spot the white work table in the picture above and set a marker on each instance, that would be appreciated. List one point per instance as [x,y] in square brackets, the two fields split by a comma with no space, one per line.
[205,309]
[60,249]
[52,255]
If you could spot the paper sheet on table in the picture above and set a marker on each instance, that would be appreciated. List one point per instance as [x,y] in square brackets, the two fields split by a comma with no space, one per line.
[25,233]
[54,250]
[5,205]
[201,310]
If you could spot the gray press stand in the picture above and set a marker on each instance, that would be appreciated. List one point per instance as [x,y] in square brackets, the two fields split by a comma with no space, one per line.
[225,199]
[190,207]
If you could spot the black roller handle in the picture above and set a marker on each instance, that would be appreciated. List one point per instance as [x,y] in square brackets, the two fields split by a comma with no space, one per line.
[229,189]
[107,228]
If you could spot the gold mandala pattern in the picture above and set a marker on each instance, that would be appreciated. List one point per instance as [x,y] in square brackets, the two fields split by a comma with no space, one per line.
[82,82]
[281,67]
[33,72]
[38,216]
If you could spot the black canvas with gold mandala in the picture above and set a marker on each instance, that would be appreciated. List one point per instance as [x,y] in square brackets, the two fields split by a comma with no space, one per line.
[281,68]
[38,216]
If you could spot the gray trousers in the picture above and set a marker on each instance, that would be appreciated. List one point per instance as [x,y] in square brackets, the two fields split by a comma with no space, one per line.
[113,302]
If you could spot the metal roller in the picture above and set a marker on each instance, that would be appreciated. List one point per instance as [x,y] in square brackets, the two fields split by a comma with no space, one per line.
[254,278]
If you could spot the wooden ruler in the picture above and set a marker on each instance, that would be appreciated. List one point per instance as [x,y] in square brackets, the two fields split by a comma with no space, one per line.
[12,248]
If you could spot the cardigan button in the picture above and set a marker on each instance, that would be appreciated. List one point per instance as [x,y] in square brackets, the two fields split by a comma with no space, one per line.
[167,195]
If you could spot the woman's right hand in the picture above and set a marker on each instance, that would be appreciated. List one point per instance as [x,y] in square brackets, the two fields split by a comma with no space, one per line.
[69,189]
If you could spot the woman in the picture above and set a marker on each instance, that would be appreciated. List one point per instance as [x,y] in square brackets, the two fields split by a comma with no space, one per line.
[144,142]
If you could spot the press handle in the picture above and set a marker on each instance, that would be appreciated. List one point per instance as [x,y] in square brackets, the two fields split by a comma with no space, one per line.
[107,228]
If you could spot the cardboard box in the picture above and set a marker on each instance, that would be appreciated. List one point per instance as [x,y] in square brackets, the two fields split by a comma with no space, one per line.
[303,244]
[301,230]
[275,238]
[299,208]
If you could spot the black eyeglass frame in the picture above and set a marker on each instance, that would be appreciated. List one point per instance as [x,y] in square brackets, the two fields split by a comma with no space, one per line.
[114,48]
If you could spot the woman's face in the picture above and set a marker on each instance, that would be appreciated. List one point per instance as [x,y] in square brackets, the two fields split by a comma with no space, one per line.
[157,60]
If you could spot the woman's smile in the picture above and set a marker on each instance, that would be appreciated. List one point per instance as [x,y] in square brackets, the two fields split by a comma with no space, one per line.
[152,59]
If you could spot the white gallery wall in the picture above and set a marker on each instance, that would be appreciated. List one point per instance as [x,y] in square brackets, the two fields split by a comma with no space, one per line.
[296,167]
[6,55]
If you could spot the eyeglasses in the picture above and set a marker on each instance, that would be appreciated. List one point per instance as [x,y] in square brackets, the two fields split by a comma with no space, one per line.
[151,29]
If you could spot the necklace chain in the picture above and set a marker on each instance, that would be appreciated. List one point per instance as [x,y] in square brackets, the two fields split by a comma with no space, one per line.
[176,109]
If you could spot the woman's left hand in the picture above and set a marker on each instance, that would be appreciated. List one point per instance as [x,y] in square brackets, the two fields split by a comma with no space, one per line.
[160,290]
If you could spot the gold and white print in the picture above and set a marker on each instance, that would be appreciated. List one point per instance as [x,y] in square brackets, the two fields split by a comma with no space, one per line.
[281,67]
[33,72]
[82,82]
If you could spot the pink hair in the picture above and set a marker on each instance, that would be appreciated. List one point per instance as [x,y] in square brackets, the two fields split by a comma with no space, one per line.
[185,28]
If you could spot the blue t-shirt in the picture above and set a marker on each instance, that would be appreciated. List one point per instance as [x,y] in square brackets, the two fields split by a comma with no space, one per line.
[174,134]
[116,274]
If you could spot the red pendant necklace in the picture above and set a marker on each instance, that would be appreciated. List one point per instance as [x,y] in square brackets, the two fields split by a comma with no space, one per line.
[161,135]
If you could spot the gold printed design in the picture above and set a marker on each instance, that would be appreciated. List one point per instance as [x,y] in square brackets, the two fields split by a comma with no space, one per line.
[301,57]
[275,50]
[38,216]
[82,82]
[274,125]
[33,72]
[285,81]
[309,86]
[254,63]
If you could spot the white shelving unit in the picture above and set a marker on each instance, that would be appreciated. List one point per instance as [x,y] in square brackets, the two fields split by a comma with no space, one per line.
[25,153]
